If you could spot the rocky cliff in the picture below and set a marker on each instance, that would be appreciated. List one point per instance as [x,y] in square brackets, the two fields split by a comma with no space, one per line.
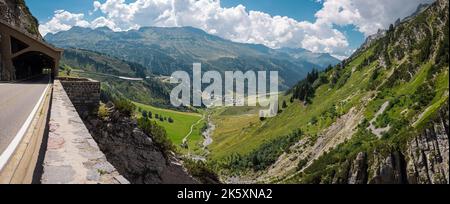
[428,153]
[424,157]
[133,153]
[17,14]
[424,160]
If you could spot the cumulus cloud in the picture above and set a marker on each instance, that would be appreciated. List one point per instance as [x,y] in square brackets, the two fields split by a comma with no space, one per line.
[241,25]
[63,20]
[367,16]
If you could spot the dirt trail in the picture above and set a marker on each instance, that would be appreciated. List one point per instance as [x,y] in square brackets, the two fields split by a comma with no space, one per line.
[192,130]
[379,131]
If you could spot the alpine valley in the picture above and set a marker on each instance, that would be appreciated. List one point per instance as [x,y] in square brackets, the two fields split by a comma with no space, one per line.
[165,50]
[379,117]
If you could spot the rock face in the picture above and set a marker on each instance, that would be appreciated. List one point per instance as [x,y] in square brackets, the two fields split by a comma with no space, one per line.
[16,13]
[358,171]
[425,159]
[387,170]
[428,153]
[133,153]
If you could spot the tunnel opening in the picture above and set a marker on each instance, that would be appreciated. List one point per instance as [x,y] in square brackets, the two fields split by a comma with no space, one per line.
[32,64]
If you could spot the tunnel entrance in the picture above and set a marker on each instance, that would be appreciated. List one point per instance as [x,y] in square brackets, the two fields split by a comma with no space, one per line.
[23,56]
[31,64]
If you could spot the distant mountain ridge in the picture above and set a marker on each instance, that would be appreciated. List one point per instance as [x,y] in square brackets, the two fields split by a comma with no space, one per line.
[108,70]
[165,50]
[321,59]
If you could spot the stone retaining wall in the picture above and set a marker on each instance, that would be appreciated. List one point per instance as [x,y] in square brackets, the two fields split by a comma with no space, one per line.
[84,93]
[72,155]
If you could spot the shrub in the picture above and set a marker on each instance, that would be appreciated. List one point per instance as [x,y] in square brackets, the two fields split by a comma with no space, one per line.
[68,71]
[124,106]
[201,171]
[170,120]
[103,112]
[157,133]
[284,105]
[314,120]
[302,163]
[144,114]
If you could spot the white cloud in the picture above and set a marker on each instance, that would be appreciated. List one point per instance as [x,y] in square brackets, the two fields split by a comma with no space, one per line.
[367,16]
[240,25]
[63,20]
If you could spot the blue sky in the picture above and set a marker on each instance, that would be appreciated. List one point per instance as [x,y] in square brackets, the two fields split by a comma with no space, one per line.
[298,9]
[334,26]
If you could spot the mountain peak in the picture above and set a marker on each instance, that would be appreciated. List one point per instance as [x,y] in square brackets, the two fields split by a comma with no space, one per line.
[321,59]
[104,28]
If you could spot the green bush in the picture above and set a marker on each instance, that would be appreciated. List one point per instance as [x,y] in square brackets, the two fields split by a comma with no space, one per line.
[302,163]
[157,133]
[144,114]
[103,112]
[124,106]
[284,105]
[201,171]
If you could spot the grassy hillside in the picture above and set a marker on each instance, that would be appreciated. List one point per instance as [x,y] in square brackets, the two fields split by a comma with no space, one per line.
[108,70]
[179,128]
[372,102]
[328,104]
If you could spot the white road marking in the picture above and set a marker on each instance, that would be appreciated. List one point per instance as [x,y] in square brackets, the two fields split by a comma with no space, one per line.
[5,156]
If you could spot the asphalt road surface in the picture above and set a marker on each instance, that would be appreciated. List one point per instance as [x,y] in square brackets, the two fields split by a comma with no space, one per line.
[17,101]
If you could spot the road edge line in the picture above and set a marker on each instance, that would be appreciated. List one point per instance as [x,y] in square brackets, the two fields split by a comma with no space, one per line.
[9,151]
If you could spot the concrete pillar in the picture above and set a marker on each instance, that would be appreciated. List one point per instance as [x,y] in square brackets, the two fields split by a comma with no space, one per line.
[1,58]
[7,65]
[55,68]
